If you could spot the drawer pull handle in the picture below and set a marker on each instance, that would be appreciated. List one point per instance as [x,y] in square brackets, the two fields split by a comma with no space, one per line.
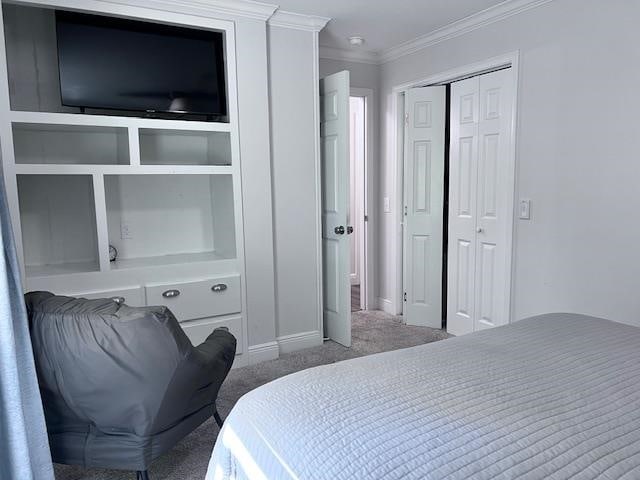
[171,293]
[118,300]
[219,287]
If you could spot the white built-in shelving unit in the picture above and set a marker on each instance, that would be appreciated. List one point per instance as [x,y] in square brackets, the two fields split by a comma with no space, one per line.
[165,193]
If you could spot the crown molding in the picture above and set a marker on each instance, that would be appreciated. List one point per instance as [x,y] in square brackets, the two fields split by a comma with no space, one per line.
[312,23]
[493,14]
[343,54]
[208,8]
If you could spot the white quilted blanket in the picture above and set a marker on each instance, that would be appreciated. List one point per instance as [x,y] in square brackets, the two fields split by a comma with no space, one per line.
[550,397]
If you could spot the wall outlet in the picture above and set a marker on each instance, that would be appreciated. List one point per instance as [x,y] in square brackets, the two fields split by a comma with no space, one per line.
[126,232]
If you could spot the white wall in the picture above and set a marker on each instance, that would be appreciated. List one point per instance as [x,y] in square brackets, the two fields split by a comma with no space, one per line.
[577,149]
[362,75]
[293,95]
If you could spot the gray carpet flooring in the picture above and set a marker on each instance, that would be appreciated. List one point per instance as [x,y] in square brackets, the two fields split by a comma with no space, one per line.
[372,332]
[355,298]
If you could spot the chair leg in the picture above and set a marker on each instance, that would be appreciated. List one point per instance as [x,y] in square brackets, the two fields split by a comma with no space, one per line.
[216,415]
[142,475]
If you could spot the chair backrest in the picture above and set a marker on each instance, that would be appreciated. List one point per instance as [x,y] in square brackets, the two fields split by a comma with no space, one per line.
[103,364]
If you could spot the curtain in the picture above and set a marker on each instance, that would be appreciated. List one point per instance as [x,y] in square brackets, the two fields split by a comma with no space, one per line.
[24,448]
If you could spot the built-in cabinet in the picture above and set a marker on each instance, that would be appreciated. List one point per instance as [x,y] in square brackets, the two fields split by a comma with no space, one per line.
[164,194]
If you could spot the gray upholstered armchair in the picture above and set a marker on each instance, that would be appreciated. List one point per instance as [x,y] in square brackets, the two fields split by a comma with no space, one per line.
[121,385]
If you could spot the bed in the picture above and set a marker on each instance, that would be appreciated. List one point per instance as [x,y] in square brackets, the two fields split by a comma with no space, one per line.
[551,397]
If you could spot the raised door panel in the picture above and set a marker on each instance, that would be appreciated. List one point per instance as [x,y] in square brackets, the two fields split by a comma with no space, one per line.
[485,286]
[468,106]
[421,204]
[464,275]
[488,175]
[330,175]
[332,290]
[420,268]
[465,179]
[422,115]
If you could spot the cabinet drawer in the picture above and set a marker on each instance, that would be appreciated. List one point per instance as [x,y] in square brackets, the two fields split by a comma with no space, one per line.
[131,296]
[201,299]
[199,330]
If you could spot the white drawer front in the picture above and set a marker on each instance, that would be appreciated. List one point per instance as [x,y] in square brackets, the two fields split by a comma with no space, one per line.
[131,296]
[201,299]
[199,330]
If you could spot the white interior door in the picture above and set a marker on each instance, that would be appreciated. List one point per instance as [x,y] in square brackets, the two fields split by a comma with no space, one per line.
[334,137]
[423,205]
[356,194]
[481,206]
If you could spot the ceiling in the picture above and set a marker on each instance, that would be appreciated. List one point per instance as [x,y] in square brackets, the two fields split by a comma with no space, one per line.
[383,23]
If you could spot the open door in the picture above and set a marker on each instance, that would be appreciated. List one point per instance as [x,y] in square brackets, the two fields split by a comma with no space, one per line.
[425,113]
[334,138]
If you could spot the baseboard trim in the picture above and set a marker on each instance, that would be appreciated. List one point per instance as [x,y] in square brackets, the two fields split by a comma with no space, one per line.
[299,341]
[385,305]
[263,352]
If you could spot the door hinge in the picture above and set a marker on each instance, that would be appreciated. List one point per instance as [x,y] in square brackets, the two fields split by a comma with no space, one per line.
[406,119]
[366,218]
[405,296]
[405,211]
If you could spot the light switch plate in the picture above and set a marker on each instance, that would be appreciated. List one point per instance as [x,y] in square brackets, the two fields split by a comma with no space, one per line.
[387,205]
[524,209]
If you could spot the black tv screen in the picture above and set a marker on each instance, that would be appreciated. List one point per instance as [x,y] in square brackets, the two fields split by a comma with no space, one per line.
[123,64]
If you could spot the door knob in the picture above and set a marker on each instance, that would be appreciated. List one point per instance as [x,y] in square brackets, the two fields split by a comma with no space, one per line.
[349,230]
[339,230]
[479,229]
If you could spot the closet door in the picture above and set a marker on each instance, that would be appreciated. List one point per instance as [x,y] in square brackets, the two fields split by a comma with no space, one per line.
[423,205]
[463,185]
[481,203]
[494,206]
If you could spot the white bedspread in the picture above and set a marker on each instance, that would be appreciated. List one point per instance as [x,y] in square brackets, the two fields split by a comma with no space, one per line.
[551,397]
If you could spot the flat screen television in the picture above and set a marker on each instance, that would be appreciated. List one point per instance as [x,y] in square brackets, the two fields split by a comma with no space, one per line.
[118,64]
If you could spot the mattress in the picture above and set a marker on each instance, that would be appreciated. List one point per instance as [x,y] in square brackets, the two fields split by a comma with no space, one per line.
[550,397]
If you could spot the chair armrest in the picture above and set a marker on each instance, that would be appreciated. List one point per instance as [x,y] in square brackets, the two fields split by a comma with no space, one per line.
[220,345]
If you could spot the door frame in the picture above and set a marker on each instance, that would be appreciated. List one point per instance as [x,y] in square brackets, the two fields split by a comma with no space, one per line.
[367,239]
[507,60]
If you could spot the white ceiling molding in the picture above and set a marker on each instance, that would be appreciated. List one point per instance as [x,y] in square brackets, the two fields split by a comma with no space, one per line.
[342,54]
[208,8]
[472,22]
[298,21]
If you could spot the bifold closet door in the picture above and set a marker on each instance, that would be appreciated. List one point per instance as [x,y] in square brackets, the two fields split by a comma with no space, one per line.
[423,205]
[481,203]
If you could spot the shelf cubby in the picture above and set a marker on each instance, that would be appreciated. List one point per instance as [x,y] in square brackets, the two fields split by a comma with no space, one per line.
[184,147]
[164,219]
[70,144]
[57,216]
